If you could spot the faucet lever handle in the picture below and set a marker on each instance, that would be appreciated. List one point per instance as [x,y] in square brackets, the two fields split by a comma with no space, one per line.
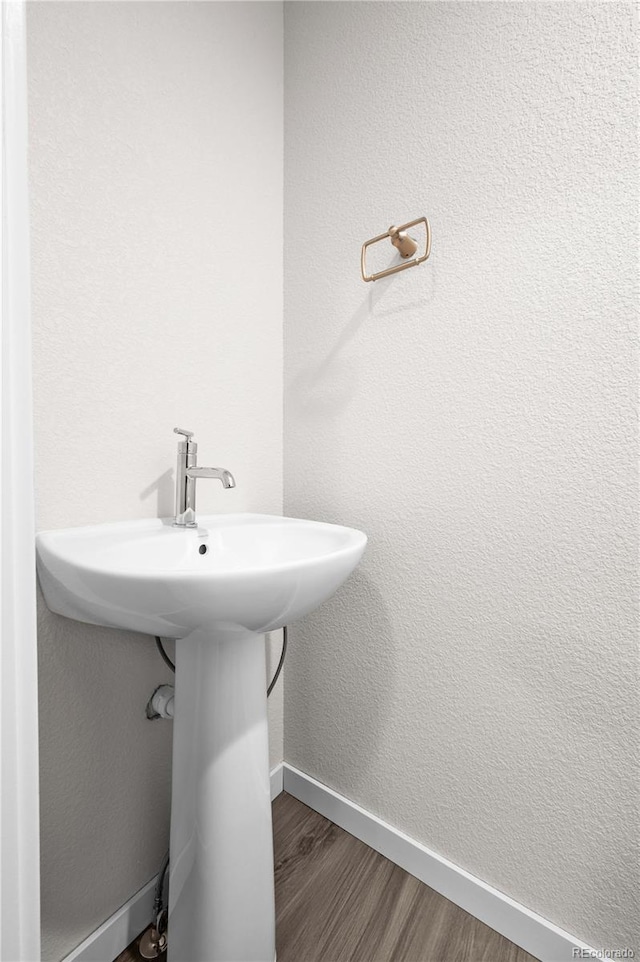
[186,434]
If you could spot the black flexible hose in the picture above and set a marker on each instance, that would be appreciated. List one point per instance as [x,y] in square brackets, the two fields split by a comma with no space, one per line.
[280,663]
[170,664]
[164,655]
[158,901]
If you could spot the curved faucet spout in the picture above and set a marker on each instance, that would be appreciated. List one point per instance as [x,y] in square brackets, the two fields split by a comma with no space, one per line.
[220,474]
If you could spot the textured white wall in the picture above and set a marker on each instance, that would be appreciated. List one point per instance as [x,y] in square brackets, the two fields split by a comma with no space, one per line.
[156,183]
[474,682]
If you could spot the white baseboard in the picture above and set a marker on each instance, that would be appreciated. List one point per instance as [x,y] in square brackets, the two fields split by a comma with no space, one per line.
[117,932]
[540,938]
[114,935]
[531,932]
[277,777]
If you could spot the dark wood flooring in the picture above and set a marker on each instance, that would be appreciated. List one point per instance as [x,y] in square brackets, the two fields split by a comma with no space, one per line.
[337,900]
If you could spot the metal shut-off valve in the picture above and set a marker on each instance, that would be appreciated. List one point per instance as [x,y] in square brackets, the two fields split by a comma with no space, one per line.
[152,944]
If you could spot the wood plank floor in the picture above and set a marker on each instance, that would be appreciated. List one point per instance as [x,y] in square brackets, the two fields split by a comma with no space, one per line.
[339,901]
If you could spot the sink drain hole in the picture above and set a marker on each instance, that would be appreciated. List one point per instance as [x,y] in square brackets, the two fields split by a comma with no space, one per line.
[202,549]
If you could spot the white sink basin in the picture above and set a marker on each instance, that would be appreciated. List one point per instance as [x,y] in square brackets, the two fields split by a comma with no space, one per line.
[244,571]
[216,589]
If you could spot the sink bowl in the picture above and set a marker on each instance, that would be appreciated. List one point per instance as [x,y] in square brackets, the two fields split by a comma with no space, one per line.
[248,572]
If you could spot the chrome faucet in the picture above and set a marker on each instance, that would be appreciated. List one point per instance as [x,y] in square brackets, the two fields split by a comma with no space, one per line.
[187,473]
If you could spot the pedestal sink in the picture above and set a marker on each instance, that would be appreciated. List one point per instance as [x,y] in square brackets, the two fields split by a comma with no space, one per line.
[216,589]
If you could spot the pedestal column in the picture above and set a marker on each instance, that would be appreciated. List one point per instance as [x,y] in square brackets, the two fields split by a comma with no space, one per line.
[222,906]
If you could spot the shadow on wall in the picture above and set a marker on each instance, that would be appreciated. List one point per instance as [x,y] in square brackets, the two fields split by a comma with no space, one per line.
[325,389]
[340,687]
[163,488]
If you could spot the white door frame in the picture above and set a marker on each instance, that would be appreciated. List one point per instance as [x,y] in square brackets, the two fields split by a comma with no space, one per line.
[19,799]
